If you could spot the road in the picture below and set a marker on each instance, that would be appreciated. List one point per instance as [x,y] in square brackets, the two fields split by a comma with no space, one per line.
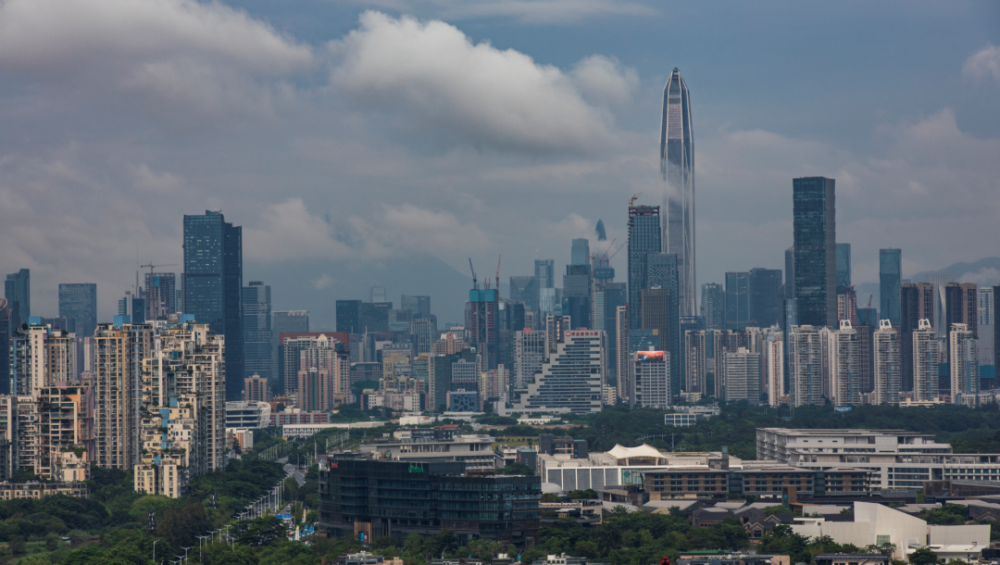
[295,472]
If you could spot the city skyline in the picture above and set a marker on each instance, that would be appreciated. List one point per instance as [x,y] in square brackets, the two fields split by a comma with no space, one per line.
[604,107]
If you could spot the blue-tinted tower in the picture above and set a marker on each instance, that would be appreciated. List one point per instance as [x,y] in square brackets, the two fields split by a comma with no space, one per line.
[643,239]
[17,291]
[213,286]
[79,302]
[815,249]
[890,277]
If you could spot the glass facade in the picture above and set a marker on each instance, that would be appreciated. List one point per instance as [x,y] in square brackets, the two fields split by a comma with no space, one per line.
[844,264]
[889,279]
[213,286]
[79,302]
[814,231]
[349,316]
[545,272]
[737,300]
[643,239]
[677,168]
[580,254]
[257,330]
[765,297]
[17,291]
[713,306]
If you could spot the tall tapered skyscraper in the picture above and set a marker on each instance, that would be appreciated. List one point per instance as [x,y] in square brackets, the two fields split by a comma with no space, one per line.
[677,168]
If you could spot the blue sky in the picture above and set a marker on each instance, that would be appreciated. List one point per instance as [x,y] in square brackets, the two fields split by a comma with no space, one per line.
[462,129]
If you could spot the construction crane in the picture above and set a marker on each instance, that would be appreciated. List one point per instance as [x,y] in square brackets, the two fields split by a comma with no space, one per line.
[631,201]
[498,273]
[151,301]
[475,284]
[868,311]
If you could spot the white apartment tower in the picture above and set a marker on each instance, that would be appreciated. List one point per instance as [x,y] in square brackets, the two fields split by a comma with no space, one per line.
[888,364]
[695,362]
[652,379]
[846,365]
[805,365]
[743,376]
[774,356]
[926,350]
[964,365]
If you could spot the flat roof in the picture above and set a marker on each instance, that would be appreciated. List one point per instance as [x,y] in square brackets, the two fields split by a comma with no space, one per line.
[842,432]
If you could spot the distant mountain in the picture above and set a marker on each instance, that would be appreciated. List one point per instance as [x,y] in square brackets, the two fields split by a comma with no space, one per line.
[317,285]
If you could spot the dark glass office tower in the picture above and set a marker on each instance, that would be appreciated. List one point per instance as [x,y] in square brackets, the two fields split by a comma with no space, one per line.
[257,330]
[580,254]
[916,303]
[889,279]
[790,273]
[643,239]
[577,299]
[713,306]
[677,168]
[17,291]
[614,295]
[737,300]
[213,286]
[79,302]
[349,316]
[663,271]
[545,272]
[419,306]
[161,295]
[765,297]
[525,290]
[815,251]
[844,264]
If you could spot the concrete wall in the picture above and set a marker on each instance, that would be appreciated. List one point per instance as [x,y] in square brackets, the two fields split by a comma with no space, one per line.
[960,535]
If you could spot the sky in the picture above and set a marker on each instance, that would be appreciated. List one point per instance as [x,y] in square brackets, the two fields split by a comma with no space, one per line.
[360,131]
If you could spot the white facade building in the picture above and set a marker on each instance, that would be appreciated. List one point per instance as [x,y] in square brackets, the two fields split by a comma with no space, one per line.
[888,364]
[964,365]
[652,379]
[926,351]
[805,366]
[774,362]
[742,376]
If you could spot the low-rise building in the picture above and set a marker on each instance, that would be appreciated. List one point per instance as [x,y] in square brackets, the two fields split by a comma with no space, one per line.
[442,443]
[247,415]
[13,491]
[852,559]
[364,497]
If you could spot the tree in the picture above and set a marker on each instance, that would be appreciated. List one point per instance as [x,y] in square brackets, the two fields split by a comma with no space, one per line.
[776,510]
[923,556]
[17,545]
[516,469]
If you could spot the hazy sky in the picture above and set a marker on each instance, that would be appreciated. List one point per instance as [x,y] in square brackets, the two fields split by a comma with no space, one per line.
[474,128]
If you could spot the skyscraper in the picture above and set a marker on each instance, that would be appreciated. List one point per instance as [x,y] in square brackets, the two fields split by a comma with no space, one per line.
[742,376]
[419,306]
[545,272]
[737,300]
[926,351]
[643,239]
[815,236]
[659,312]
[79,302]
[17,291]
[964,364]
[580,252]
[285,321]
[213,286]
[765,297]
[890,278]
[888,366]
[4,347]
[843,264]
[349,316]
[985,306]
[160,295]
[257,330]
[713,306]
[805,366]
[677,168]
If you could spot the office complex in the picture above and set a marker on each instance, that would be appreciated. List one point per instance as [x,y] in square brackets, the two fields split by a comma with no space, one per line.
[677,169]
[525,290]
[545,273]
[482,322]
[926,351]
[659,313]
[418,305]
[623,352]
[373,498]
[814,250]
[888,364]
[737,300]
[580,254]
[529,354]
[17,291]
[79,302]
[213,286]
[643,239]
[890,278]
[843,265]
[651,380]
[765,297]
[257,340]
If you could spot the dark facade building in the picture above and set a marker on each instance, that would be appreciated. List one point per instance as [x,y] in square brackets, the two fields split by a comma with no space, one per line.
[5,332]
[643,239]
[577,298]
[815,251]
[482,323]
[844,264]
[257,340]
[79,302]
[613,296]
[17,291]
[379,498]
[419,306]
[890,277]
[737,300]
[545,273]
[160,294]
[660,313]
[713,306]
[375,317]
[916,302]
[349,316]
[213,286]
[774,481]
[765,297]
[285,321]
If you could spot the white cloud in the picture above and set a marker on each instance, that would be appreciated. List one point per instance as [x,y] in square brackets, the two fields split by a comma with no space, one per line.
[523,11]
[605,80]
[430,78]
[984,63]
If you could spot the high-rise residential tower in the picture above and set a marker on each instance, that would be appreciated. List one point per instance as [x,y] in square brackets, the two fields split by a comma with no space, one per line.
[815,265]
[925,361]
[916,304]
[677,168]
[888,366]
[285,321]
[213,286]
[964,364]
[890,278]
[985,306]
[17,291]
[79,302]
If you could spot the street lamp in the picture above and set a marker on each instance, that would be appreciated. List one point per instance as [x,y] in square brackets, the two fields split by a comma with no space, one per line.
[186,552]
[201,553]
[156,541]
